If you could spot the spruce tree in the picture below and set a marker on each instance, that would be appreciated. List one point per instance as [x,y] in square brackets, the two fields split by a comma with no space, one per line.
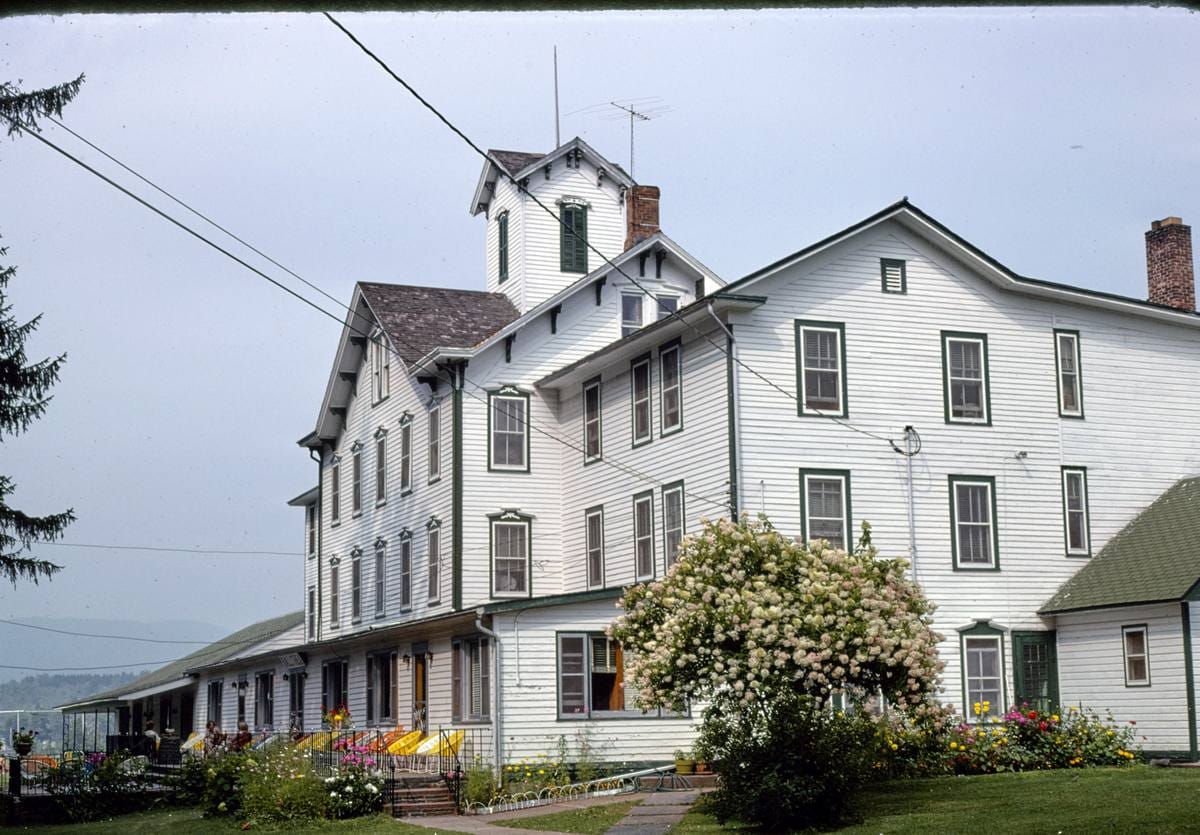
[24,385]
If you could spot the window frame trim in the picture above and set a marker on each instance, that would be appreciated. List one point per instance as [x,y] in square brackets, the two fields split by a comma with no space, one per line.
[356,486]
[636,362]
[381,439]
[847,502]
[502,247]
[508,392]
[598,383]
[637,576]
[982,629]
[565,229]
[958,478]
[1078,343]
[456,643]
[671,487]
[675,345]
[1086,553]
[800,326]
[433,528]
[379,579]
[405,538]
[435,407]
[510,517]
[406,433]
[621,311]
[986,379]
[588,513]
[356,569]
[589,714]
[1145,630]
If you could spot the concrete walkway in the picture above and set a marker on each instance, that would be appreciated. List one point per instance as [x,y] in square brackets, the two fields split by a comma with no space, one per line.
[485,824]
[656,814]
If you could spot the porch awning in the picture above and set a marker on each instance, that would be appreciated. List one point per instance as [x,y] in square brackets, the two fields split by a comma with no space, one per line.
[166,687]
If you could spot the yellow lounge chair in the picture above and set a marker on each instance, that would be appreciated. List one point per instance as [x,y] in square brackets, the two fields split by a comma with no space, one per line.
[406,744]
[316,742]
[440,744]
[381,742]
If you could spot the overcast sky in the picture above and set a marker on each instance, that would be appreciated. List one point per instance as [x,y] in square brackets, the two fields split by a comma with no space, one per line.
[1051,138]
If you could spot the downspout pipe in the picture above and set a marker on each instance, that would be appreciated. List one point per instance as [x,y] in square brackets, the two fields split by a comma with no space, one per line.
[497,692]
[320,518]
[735,442]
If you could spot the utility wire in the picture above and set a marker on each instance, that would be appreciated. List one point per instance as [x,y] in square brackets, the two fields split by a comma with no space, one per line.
[118,637]
[199,551]
[662,308]
[87,669]
[628,469]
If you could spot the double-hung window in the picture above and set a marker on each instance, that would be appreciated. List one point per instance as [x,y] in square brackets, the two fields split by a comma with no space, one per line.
[1075,511]
[592,441]
[334,596]
[435,442]
[1136,642]
[405,571]
[264,700]
[434,545]
[591,679]
[672,510]
[973,513]
[312,613]
[510,555]
[406,454]
[381,466]
[670,388]
[643,535]
[509,436]
[983,675]
[631,313]
[380,367]
[380,687]
[821,361]
[573,238]
[639,393]
[665,307]
[1070,378]
[216,694]
[335,492]
[380,578]
[310,528]
[356,479]
[825,506]
[356,586]
[502,247]
[965,388]
[295,679]
[470,680]
[593,520]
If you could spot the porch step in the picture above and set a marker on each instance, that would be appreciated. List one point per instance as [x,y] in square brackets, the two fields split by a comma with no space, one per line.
[421,796]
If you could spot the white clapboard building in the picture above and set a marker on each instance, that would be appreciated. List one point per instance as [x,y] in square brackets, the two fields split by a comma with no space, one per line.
[494,466]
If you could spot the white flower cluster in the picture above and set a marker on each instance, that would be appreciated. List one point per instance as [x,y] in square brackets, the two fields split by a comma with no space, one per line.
[747,611]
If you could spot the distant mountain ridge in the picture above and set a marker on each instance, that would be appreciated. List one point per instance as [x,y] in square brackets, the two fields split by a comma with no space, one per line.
[22,647]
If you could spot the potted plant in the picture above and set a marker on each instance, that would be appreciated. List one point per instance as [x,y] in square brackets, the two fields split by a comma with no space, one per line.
[683,763]
[22,739]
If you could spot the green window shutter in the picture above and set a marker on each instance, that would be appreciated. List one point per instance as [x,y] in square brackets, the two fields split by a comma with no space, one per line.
[503,246]
[574,239]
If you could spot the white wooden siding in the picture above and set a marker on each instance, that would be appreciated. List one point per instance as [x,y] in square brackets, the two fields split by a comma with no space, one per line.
[529,670]
[1091,664]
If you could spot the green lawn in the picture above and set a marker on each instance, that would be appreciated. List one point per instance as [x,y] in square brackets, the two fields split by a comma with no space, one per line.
[1138,800]
[188,821]
[594,820]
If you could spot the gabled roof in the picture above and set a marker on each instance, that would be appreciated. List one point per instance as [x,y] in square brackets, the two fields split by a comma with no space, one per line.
[932,230]
[419,319]
[521,164]
[1154,559]
[176,672]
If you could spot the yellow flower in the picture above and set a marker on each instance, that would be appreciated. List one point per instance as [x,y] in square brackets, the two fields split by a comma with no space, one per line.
[1110,733]
[978,708]
[895,746]
[953,746]
[1054,718]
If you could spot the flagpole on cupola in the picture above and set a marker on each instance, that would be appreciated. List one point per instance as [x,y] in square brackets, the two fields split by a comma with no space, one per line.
[557,137]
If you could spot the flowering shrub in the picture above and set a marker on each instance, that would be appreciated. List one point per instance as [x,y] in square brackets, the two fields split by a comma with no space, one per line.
[280,785]
[1021,740]
[354,790]
[98,786]
[223,786]
[748,612]
[537,773]
[335,717]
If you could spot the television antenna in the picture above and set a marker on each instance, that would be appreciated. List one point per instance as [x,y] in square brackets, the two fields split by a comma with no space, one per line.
[636,110]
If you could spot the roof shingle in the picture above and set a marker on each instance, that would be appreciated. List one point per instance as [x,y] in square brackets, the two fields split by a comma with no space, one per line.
[514,161]
[420,319]
[1155,558]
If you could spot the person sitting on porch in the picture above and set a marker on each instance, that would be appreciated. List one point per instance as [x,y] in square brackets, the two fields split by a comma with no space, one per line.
[243,738]
[212,736]
[151,735]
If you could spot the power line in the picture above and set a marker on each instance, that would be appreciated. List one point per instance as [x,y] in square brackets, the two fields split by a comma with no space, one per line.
[115,637]
[87,669]
[662,308]
[628,469]
[200,551]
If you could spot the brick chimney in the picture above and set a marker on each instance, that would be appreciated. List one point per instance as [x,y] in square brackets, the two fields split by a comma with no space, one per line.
[1169,264]
[641,214]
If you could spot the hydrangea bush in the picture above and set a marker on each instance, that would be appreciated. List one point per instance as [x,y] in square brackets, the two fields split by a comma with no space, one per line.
[354,790]
[747,612]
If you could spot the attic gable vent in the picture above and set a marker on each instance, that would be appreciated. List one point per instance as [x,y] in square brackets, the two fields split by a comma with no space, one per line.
[893,275]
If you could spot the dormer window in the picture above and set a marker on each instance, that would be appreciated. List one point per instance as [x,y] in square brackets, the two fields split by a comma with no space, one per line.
[381,367]
[631,313]
[502,246]
[573,236]
[665,307]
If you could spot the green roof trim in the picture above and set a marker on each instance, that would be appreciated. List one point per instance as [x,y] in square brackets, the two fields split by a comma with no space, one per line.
[214,653]
[555,600]
[1153,559]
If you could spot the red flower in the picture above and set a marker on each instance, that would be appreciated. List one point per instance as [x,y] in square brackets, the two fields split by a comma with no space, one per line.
[1042,726]
[1033,714]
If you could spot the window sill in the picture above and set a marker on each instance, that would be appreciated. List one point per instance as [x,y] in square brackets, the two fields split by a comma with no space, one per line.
[356,514]
[460,721]
[510,595]
[437,602]
[666,433]
[497,469]
[381,503]
[981,568]
[435,479]
[964,422]
[355,621]
[640,443]
[407,492]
